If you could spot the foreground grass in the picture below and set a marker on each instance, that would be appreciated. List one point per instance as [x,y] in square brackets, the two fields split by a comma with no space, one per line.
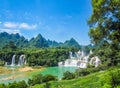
[90,81]
[94,80]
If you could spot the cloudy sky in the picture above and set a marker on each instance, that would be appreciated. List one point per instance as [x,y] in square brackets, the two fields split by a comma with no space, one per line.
[57,20]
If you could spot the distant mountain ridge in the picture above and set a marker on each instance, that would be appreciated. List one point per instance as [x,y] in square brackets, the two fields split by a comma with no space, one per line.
[38,42]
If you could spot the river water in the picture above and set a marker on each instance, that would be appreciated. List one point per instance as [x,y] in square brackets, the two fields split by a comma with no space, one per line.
[17,76]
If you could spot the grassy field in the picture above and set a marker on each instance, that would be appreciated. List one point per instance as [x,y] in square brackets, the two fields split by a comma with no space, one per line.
[95,80]
[90,81]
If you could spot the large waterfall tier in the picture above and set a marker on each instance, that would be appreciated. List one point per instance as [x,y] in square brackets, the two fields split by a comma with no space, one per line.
[79,59]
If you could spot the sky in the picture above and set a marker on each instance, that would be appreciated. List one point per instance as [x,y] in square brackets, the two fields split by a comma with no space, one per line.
[57,20]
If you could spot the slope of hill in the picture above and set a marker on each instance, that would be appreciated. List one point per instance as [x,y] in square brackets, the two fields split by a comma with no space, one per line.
[106,79]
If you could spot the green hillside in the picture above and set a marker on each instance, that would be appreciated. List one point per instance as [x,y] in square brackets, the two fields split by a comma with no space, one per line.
[105,79]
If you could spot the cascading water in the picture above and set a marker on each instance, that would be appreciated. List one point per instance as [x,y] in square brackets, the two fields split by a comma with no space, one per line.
[13,61]
[79,59]
[5,63]
[21,60]
[71,55]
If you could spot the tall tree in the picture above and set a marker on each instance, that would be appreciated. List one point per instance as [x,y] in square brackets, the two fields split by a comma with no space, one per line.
[105,26]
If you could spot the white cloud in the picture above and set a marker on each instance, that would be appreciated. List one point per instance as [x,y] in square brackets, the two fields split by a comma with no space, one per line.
[11,25]
[10,31]
[27,26]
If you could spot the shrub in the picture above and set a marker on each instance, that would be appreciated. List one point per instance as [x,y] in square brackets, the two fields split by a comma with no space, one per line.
[68,75]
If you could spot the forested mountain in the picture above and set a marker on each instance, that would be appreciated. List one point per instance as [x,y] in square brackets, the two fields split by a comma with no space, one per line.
[72,42]
[37,42]
[19,41]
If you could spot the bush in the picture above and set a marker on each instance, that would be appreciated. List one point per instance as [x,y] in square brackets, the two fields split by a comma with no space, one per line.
[37,79]
[49,77]
[68,75]
[111,79]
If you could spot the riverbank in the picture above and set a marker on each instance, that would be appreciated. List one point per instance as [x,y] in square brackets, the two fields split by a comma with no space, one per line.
[28,72]
[4,70]
[17,73]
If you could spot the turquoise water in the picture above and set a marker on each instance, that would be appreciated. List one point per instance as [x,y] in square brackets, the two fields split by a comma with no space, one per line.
[56,71]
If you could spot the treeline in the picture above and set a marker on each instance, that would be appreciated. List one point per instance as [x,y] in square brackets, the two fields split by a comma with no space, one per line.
[34,56]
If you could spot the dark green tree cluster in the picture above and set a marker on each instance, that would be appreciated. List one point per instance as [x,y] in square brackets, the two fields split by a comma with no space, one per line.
[105,29]
[38,79]
[20,84]
[68,75]
[47,57]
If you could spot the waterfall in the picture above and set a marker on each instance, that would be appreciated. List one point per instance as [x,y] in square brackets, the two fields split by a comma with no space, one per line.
[82,54]
[5,63]
[13,61]
[71,55]
[21,60]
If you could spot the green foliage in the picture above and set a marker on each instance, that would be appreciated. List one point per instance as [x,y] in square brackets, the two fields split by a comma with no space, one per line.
[36,57]
[94,80]
[2,63]
[105,29]
[111,80]
[49,77]
[86,71]
[68,75]
[11,46]
[71,43]
[38,42]
[37,79]
[18,40]
[2,86]
[20,84]
[47,85]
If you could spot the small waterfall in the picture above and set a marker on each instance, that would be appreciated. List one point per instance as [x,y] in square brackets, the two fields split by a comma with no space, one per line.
[13,61]
[91,52]
[82,54]
[21,60]
[71,55]
[6,64]
[25,62]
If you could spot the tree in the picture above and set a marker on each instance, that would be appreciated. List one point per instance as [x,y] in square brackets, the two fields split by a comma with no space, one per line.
[105,25]
[68,75]
[49,77]
[10,45]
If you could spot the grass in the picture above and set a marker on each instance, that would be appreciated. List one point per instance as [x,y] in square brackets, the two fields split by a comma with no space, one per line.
[90,81]
[93,80]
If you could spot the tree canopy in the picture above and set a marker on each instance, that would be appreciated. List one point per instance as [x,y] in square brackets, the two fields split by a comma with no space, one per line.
[105,26]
